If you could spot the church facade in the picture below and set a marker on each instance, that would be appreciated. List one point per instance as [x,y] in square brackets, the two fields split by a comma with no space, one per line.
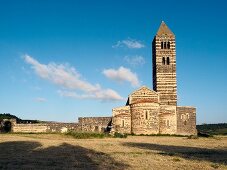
[156,111]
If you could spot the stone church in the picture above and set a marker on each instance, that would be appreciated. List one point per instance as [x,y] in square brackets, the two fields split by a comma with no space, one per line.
[156,111]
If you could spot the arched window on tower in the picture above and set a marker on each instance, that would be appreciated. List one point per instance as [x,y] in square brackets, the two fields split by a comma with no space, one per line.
[161,45]
[163,61]
[168,45]
[164,45]
[168,61]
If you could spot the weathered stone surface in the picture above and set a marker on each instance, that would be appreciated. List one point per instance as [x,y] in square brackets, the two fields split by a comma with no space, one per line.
[30,128]
[94,124]
[145,118]
[143,95]
[91,124]
[122,120]
[186,120]
[45,127]
[62,127]
[167,119]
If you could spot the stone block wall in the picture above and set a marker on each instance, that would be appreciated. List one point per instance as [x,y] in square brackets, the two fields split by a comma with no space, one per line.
[144,95]
[62,127]
[121,121]
[167,120]
[145,118]
[90,124]
[94,124]
[30,128]
[186,120]
[46,127]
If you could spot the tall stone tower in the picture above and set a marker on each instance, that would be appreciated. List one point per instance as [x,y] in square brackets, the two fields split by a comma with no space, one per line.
[164,65]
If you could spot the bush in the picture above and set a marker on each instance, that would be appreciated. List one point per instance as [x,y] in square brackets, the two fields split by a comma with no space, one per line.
[120,135]
[86,135]
[202,134]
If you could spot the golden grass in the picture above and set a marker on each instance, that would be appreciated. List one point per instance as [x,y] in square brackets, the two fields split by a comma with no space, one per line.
[55,151]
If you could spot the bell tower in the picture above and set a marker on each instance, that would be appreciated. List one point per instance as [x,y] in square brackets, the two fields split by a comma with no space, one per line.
[164,65]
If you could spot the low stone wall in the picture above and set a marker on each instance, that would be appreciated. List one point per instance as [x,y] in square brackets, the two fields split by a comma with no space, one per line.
[29,128]
[94,124]
[45,127]
[89,124]
[62,127]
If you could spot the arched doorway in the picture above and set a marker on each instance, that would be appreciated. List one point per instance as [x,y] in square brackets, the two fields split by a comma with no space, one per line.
[7,126]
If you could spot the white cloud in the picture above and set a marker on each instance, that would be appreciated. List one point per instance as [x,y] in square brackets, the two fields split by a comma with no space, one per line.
[122,74]
[129,43]
[40,99]
[105,95]
[68,78]
[135,60]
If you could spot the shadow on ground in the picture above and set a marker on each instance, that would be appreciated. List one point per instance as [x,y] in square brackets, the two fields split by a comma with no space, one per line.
[30,155]
[192,153]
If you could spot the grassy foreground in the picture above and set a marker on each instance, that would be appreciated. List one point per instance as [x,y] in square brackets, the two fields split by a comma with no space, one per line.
[55,151]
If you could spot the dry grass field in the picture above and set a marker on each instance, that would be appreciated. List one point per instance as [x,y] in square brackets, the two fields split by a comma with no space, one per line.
[53,151]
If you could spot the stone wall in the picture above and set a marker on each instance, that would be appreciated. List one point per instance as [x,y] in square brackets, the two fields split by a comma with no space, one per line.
[145,118]
[29,128]
[47,127]
[167,120]
[62,127]
[121,121]
[94,124]
[90,124]
[186,120]
[144,95]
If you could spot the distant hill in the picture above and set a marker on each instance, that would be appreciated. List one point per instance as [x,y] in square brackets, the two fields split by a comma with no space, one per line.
[10,116]
[213,129]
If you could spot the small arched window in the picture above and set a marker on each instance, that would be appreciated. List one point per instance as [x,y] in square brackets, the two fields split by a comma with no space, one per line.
[163,61]
[168,45]
[146,114]
[168,61]
[165,45]
[123,123]
[161,45]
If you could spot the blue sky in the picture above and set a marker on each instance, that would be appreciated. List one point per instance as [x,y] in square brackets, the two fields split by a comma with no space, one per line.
[61,60]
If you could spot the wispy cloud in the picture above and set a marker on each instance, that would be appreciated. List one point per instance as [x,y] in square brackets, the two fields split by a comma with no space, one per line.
[135,60]
[122,74]
[104,95]
[129,43]
[67,77]
[40,99]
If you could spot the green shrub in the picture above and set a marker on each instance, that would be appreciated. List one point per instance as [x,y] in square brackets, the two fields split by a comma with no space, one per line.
[120,135]
[215,166]
[86,135]
[206,135]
